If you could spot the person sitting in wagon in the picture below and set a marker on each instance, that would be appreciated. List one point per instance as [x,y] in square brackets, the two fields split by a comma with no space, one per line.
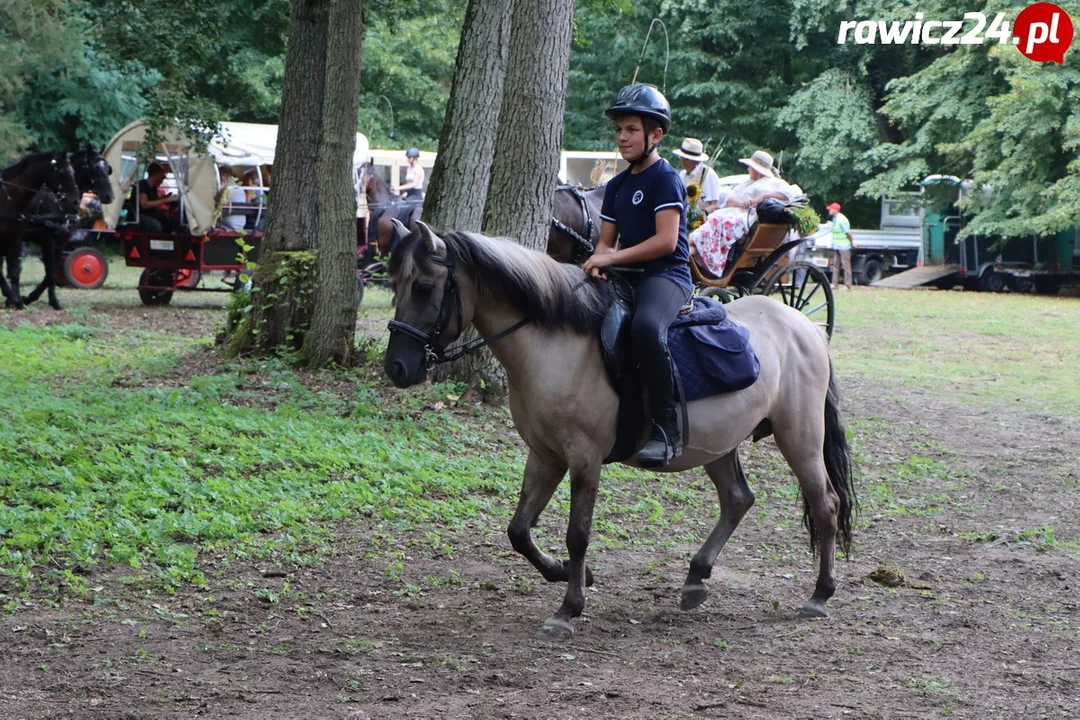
[711,243]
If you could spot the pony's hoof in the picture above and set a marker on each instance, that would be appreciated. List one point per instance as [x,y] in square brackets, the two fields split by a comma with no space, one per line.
[557,629]
[812,610]
[693,595]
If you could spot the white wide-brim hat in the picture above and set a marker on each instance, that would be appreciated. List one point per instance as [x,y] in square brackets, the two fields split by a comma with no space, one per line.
[692,149]
[762,162]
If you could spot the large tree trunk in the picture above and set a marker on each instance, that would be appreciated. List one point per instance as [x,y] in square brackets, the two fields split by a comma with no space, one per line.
[526,166]
[333,325]
[283,282]
[459,182]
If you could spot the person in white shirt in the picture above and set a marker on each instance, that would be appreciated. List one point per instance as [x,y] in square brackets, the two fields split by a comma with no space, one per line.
[693,158]
[232,196]
[413,189]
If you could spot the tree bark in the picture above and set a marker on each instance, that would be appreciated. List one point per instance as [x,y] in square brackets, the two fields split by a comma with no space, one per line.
[526,165]
[459,182]
[333,324]
[283,281]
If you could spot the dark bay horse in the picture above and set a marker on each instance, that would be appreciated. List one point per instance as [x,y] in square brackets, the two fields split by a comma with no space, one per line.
[91,176]
[386,207]
[575,223]
[19,186]
[541,319]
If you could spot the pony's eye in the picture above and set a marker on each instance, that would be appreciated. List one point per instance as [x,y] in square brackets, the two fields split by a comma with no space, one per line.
[422,288]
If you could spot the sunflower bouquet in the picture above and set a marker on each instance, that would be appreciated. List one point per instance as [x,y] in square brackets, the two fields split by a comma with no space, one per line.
[696,217]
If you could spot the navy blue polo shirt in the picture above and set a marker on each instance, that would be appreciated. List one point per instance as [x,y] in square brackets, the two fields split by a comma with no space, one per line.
[631,201]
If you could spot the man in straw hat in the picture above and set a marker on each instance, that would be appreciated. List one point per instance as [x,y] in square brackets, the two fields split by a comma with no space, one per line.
[694,170]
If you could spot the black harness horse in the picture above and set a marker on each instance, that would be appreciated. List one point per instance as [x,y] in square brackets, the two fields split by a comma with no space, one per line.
[575,223]
[19,187]
[91,176]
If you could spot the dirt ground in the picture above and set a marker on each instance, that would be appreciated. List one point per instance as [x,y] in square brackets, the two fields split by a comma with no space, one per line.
[976,614]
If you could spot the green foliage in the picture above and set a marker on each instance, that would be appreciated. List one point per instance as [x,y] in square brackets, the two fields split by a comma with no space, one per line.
[56,90]
[806,220]
[408,64]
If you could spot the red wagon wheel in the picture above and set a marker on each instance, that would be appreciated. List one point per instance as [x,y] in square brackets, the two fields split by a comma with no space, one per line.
[86,269]
[186,278]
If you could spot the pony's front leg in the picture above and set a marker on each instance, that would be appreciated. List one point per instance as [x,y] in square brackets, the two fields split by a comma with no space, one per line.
[12,292]
[584,482]
[49,260]
[542,477]
[6,289]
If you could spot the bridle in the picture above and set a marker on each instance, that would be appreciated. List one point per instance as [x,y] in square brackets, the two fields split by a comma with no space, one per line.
[583,244]
[433,353]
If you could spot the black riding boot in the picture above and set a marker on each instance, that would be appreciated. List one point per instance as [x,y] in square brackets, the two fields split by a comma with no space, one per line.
[663,443]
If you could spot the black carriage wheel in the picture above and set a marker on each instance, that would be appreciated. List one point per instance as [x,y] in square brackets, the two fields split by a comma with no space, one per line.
[723,294]
[155,279]
[805,287]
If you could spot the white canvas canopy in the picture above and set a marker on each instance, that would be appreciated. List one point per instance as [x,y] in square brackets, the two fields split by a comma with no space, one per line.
[240,144]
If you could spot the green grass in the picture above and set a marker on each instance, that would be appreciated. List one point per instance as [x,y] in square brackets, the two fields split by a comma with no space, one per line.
[110,457]
[115,454]
[1002,349]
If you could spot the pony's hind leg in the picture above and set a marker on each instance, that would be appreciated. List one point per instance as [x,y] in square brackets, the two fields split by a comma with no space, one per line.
[736,498]
[584,483]
[542,477]
[801,444]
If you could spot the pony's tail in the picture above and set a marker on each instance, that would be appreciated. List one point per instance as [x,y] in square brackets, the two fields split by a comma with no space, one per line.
[838,465]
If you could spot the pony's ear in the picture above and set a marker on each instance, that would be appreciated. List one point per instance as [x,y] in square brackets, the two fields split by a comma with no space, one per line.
[400,231]
[434,244]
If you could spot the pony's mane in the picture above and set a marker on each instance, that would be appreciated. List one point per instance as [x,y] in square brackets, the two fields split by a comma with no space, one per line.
[552,294]
[20,167]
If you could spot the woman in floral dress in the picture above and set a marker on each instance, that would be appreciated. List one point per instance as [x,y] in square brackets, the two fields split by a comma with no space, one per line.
[711,243]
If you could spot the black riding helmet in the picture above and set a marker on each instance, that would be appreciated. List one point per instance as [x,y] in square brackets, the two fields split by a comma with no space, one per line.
[645,101]
[642,99]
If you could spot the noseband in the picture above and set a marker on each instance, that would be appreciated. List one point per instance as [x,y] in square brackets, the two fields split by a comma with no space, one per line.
[583,244]
[435,355]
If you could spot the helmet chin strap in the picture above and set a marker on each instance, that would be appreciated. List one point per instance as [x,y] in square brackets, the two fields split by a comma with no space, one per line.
[644,156]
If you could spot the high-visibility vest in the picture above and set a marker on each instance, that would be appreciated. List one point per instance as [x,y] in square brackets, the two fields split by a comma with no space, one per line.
[839,236]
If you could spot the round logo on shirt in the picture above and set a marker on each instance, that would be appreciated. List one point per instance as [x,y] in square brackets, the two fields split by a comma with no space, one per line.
[638,197]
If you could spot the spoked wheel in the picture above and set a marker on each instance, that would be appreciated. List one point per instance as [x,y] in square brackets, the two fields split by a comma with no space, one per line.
[155,287]
[805,287]
[86,269]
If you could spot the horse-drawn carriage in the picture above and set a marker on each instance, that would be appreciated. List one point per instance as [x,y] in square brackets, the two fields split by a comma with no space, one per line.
[762,262]
[202,245]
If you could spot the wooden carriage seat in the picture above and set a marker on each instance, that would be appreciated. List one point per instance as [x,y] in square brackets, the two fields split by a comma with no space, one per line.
[760,240]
